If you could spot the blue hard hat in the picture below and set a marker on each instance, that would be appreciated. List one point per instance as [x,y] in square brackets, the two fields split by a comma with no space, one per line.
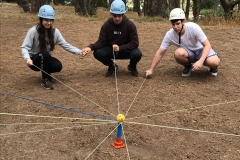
[118,7]
[46,11]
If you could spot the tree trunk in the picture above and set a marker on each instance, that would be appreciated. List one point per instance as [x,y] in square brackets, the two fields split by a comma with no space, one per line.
[36,4]
[110,2]
[24,4]
[48,1]
[174,4]
[156,8]
[196,9]
[228,7]
[102,3]
[62,2]
[148,9]
[216,3]
[183,1]
[136,7]
[164,9]
[92,7]
[81,7]
[55,2]
[19,2]
[187,9]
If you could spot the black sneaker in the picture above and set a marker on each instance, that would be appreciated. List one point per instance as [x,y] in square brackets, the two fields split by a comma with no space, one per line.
[214,71]
[187,71]
[49,77]
[133,70]
[47,84]
[111,69]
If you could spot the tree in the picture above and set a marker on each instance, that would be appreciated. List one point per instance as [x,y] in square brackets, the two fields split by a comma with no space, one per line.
[156,8]
[86,7]
[36,4]
[56,2]
[48,1]
[136,7]
[207,4]
[228,6]
[102,3]
[24,4]
[187,9]
[183,1]
[147,7]
[216,3]
[80,7]
[196,9]
[173,4]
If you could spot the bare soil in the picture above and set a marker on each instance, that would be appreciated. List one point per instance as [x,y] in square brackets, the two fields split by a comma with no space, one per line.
[172,118]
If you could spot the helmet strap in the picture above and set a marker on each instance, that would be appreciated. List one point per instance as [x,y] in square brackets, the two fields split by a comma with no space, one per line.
[179,34]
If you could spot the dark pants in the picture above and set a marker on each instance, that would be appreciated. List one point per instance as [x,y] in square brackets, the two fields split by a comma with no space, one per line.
[105,55]
[47,63]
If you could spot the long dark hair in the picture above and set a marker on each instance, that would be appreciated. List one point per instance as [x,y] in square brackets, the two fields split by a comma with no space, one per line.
[41,38]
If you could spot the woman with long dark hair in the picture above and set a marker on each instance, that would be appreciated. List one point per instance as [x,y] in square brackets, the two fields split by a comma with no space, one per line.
[40,41]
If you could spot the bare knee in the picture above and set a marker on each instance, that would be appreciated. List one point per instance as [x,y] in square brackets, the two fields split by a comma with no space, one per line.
[212,62]
[180,52]
[181,56]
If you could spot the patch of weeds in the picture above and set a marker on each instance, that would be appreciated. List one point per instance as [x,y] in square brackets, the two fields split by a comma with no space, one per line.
[92,19]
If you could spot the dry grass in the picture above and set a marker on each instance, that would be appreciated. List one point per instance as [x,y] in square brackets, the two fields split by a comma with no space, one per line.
[67,12]
[221,22]
[165,91]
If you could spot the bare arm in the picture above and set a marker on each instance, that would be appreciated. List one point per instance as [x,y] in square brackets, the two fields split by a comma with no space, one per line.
[157,58]
[207,46]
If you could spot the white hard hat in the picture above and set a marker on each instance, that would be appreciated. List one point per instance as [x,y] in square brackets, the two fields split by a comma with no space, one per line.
[177,13]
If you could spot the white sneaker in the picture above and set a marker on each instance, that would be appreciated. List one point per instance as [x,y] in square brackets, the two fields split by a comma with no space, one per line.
[187,71]
[214,71]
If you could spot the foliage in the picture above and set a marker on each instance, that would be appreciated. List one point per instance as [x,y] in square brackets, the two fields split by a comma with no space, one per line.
[207,12]
[92,11]
[151,19]
[207,4]
[101,3]
[69,2]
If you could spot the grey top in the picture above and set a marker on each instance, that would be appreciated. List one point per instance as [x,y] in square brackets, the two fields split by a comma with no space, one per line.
[30,43]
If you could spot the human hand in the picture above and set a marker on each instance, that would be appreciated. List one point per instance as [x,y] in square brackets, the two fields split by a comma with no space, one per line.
[115,47]
[197,66]
[29,62]
[149,72]
[85,51]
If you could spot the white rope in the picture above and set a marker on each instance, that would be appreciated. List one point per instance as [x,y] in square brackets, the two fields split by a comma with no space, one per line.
[45,130]
[211,105]
[185,129]
[135,96]
[26,115]
[126,143]
[14,124]
[75,91]
[101,143]
[115,68]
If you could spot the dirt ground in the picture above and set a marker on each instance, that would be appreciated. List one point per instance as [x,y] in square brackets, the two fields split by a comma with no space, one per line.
[168,117]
